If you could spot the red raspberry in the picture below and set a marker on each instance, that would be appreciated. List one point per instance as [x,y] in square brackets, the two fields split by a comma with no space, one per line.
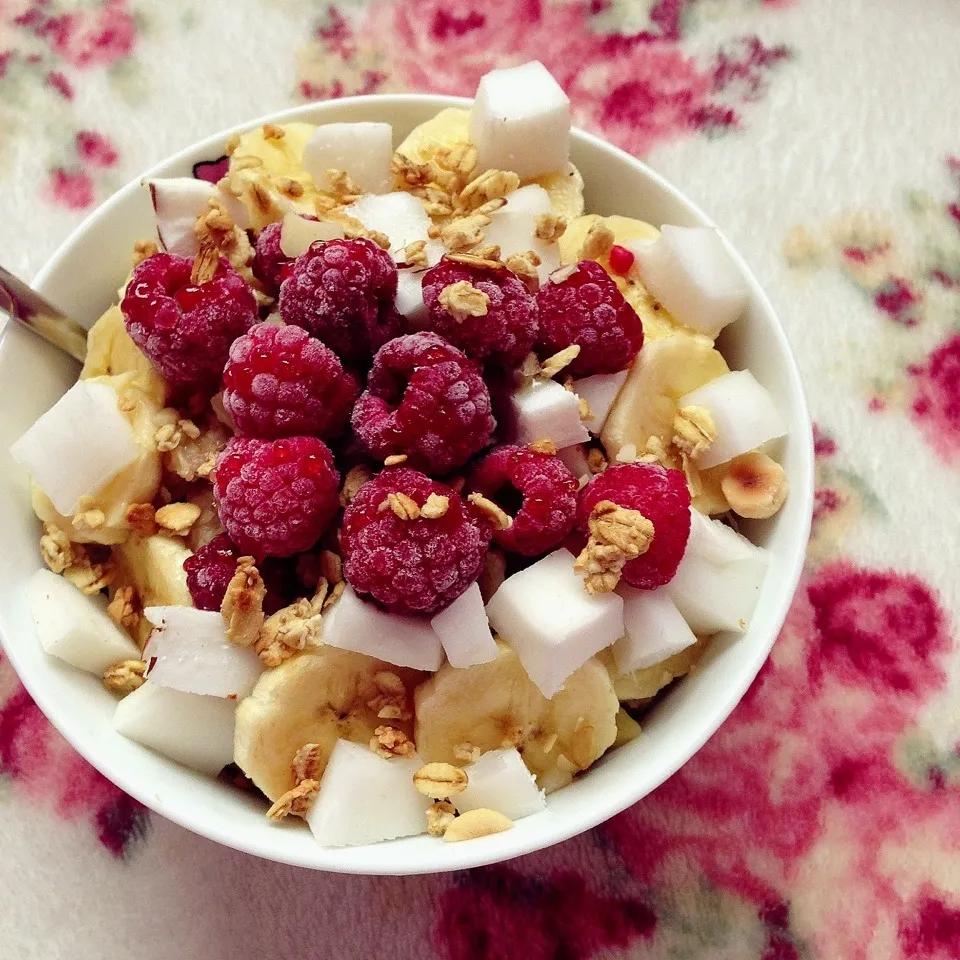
[411,566]
[588,308]
[342,292]
[184,329]
[536,489]
[504,334]
[662,496]
[270,264]
[424,398]
[211,568]
[275,497]
[281,382]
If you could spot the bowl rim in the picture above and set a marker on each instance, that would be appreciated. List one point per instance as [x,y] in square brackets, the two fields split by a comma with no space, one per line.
[514,843]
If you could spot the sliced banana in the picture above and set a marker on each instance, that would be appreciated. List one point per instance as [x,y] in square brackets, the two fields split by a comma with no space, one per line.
[110,351]
[452,126]
[494,705]
[646,683]
[136,483]
[319,696]
[280,156]
[664,371]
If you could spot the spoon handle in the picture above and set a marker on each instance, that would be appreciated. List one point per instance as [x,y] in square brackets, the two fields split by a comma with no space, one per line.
[27,307]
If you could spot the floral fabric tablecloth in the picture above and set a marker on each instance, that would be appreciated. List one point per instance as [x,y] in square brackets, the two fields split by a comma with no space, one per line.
[823,820]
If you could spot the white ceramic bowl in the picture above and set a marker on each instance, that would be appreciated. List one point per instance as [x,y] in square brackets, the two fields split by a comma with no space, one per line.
[83,277]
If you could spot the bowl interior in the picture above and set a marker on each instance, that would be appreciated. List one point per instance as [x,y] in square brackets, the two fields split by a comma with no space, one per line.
[83,277]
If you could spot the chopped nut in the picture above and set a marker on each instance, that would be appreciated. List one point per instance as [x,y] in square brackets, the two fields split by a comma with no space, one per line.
[334,595]
[290,187]
[616,536]
[476,823]
[415,254]
[550,227]
[524,265]
[331,566]
[500,518]
[91,519]
[402,506]
[178,517]
[124,677]
[205,265]
[88,576]
[141,517]
[230,147]
[380,239]
[462,299]
[143,250]
[125,608]
[433,231]
[530,367]
[291,629]
[390,742]
[308,762]
[440,814]
[466,753]
[356,477]
[597,243]
[392,702]
[342,187]
[627,453]
[242,606]
[464,232]
[553,365]
[755,486]
[395,459]
[490,185]
[272,132]
[543,446]
[694,431]
[296,801]
[493,575]
[475,260]
[655,451]
[435,506]
[440,781]
[490,253]
[583,408]
[206,468]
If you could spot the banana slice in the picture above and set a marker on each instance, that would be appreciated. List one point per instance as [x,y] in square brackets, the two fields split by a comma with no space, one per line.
[645,684]
[664,371]
[280,156]
[452,126]
[319,696]
[493,705]
[136,483]
[110,351]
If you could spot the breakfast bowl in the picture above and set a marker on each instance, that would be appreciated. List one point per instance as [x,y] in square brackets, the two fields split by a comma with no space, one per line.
[82,278]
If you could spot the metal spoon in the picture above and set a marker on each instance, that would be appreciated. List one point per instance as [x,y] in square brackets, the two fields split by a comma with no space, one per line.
[27,307]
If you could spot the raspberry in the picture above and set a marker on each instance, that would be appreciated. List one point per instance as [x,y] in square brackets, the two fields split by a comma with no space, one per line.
[425,399]
[281,382]
[275,497]
[662,496]
[587,308]
[343,293]
[411,566]
[270,264]
[211,568]
[504,334]
[184,329]
[536,489]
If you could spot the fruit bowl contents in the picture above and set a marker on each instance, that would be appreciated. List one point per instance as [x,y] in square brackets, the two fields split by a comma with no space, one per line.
[396,488]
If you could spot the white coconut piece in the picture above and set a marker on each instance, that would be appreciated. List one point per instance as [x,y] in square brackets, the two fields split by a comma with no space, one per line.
[515,232]
[743,412]
[500,781]
[194,730]
[354,624]
[520,121]
[401,217]
[409,301]
[76,447]
[531,200]
[366,798]
[543,410]
[189,651]
[364,150]
[177,202]
[546,615]
[464,631]
[600,391]
[654,629]
[575,460]
[76,627]
[690,271]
